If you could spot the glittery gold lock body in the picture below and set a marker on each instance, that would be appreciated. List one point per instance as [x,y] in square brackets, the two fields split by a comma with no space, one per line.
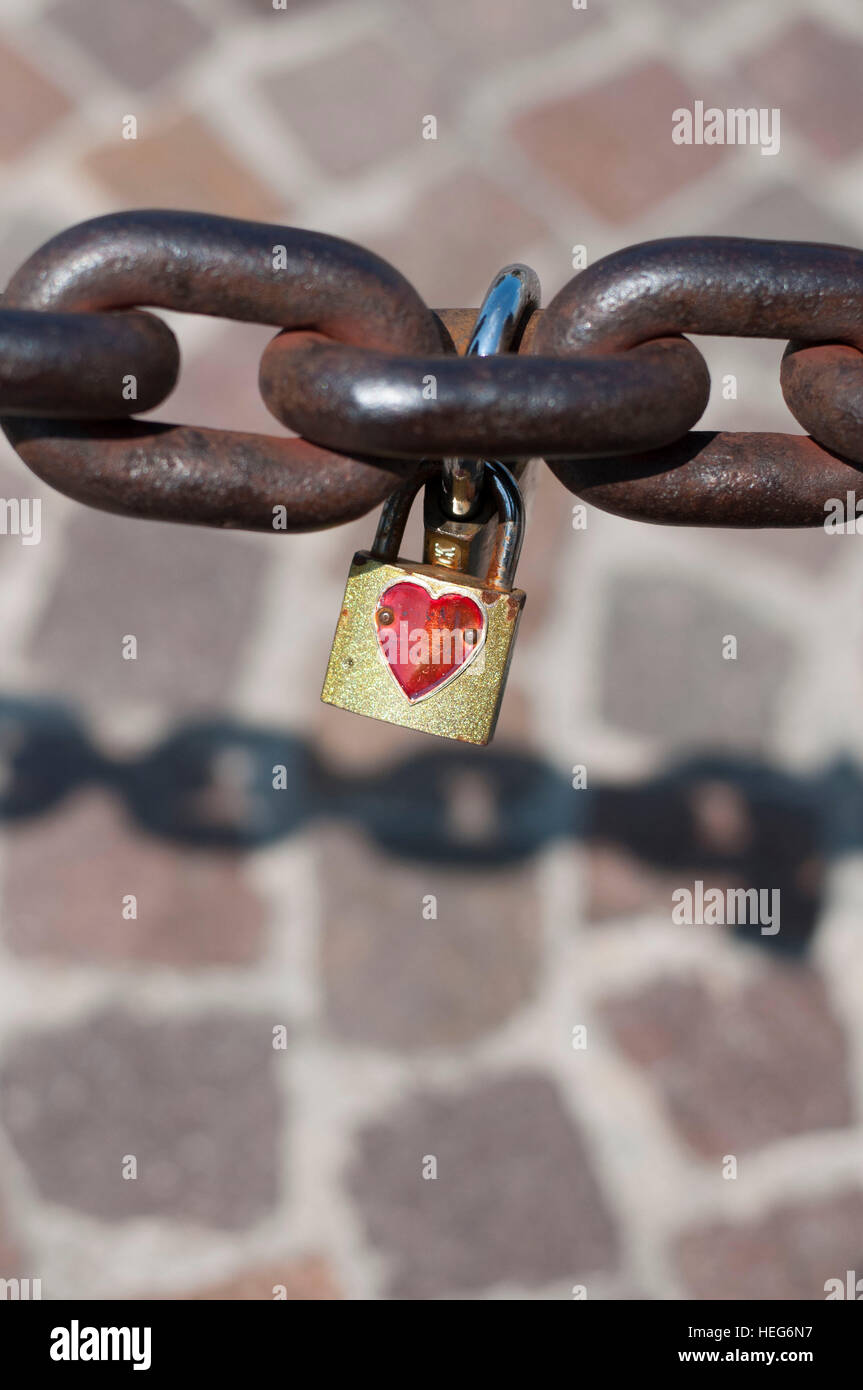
[423,645]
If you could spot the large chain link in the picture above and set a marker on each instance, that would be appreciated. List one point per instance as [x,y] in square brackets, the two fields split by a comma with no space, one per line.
[603,385]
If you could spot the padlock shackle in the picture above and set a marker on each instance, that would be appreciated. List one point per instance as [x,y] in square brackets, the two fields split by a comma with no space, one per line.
[393,520]
[509,301]
[510,523]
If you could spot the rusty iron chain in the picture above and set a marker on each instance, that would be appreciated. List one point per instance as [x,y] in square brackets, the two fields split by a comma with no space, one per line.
[603,385]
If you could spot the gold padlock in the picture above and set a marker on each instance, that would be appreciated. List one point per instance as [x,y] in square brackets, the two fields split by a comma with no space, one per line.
[424,645]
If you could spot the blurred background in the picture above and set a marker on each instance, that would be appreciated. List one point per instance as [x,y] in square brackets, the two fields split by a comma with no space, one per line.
[280,1037]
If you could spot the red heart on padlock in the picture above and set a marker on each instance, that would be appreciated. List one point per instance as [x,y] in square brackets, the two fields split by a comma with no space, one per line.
[426,641]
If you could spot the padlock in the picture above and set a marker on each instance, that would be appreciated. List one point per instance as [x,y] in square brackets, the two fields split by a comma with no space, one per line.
[424,645]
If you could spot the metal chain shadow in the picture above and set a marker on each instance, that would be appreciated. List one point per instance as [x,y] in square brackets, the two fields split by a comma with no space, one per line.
[217,783]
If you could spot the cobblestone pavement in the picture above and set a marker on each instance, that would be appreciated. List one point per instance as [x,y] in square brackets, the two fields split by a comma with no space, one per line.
[407,1040]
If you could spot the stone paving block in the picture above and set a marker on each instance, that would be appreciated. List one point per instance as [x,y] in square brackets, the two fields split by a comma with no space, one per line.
[664,672]
[692,9]
[812,74]
[610,145]
[264,9]
[30,104]
[328,104]
[814,552]
[617,884]
[488,34]
[19,485]
[549,537]
[187,594]
[19,238]
[456,236]
[180,162]
[784,212]
[394,979]
[193,908]
[506,1205]
[137,45]
[218,385]
[194,1101]
[738,1072]
[300,1280]
[12,1262]
[790,1253]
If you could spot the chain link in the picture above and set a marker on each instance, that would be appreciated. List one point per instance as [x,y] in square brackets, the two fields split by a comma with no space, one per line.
[604,386]
[238,270]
